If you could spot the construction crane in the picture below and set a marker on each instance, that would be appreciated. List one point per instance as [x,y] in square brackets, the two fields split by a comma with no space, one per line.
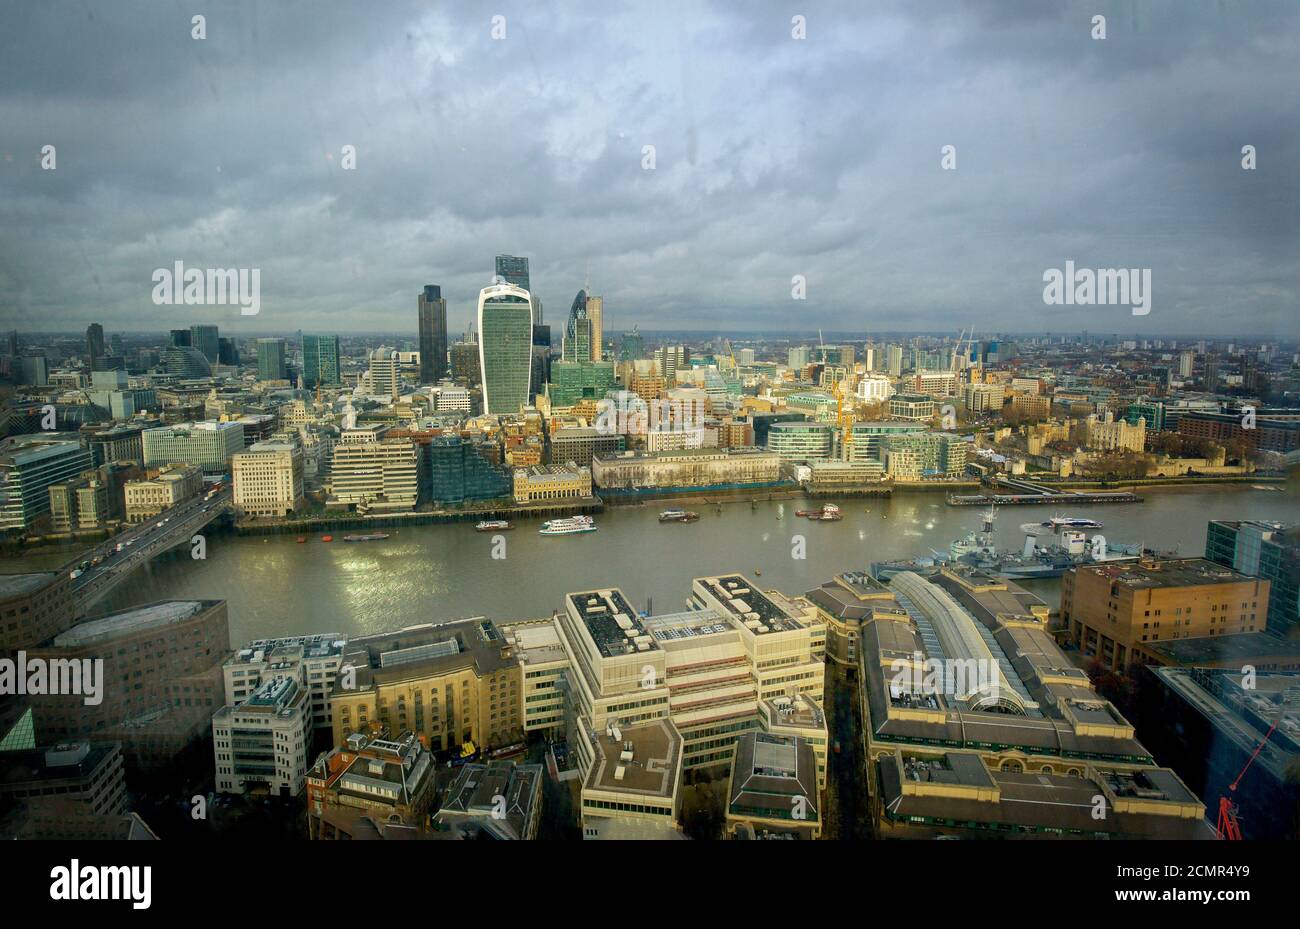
[844,418]
[1228,827]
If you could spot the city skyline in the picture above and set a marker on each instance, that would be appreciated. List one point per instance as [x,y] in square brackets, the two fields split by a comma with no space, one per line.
[774,157]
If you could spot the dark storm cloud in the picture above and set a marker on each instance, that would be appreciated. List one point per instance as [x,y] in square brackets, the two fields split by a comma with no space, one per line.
[775,157]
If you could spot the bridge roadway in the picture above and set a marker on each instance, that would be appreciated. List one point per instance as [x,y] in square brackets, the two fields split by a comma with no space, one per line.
[126,551]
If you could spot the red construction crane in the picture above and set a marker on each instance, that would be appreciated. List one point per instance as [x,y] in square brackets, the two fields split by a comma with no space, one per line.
[1228,827]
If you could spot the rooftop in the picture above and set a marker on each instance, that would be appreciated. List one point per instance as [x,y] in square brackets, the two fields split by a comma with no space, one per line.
[136,619]
[612,623]
[16,585]
[644,759]
[1176,572]
[748,605]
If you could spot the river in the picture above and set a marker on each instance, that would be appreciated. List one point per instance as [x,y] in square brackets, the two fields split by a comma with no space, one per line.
[277,586]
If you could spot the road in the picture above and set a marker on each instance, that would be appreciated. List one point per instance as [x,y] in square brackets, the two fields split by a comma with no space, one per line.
[125,552]
[847,812]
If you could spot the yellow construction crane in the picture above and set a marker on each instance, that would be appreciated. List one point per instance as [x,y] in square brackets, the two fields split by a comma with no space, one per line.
[844,418]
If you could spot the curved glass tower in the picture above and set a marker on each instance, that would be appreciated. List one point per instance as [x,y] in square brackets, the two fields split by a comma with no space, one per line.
[505,346]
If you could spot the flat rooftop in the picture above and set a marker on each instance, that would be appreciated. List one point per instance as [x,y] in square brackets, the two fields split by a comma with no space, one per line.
[1180,572]
[1241,645]
[427,649]
[644,760]
[689,624]
[612,622]
[748,604]
[127,622]
[16,585]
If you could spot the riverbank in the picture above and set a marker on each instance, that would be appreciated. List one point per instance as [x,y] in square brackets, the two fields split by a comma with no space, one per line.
[330,522]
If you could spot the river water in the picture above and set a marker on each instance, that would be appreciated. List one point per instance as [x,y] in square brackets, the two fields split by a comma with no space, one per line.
[276,586]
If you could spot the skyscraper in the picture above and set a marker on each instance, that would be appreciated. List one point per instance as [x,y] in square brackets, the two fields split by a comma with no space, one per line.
[205,339]
[180,338]
[505,325]
[94,343]
[433,334]
[270,360]
[514,271]
[577,331]
[320,360]
[596,313]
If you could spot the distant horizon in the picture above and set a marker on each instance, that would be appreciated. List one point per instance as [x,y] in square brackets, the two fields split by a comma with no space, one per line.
[876,170]
[774,335]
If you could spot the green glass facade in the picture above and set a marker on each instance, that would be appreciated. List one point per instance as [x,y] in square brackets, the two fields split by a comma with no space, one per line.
[505,348]
[456,471]
[320,360]
[572,381]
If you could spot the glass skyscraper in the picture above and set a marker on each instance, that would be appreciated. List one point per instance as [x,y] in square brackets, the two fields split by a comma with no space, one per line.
[206,340]
[433,334]
[320,360]
[577,332]
[270,360]
[505,325]
[514,271]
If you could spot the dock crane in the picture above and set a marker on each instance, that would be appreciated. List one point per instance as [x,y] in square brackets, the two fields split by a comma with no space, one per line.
[1228,827]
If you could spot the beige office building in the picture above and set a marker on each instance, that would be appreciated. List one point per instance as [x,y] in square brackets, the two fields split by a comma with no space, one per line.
[268,479]
[172,485]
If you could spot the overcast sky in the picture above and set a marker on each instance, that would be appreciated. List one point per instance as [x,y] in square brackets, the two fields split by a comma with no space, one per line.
[774,157]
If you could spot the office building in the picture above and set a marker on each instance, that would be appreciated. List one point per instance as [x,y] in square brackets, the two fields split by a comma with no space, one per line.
[1208,725]
[1121,613]
[261,744]
[449,683]
[514,271]
[919,456]
[433,334]
[631,787]
[207,340]
[575,381]
[81,777]
[146,498]
[94,344]
[799,441]
[185,362]
[913,407]
[34,607]
[632,346]
[551,482]
[161,681]
[596,315]
[699,469]
[268,479]
[371,472]
[577,445]
[459,470]
[505,325]
[312,660]
[29,464]
[844,604]
[320,361]
[465,364]
[208,445]
[773,790]
[1266,550]
[710,669]
[271,360]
